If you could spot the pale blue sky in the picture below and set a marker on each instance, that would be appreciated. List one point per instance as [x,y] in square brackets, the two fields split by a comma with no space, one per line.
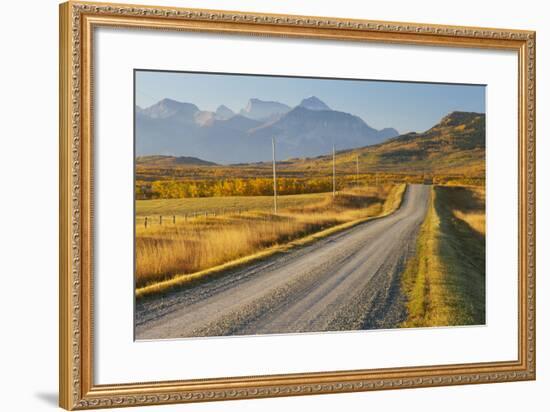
[405,106]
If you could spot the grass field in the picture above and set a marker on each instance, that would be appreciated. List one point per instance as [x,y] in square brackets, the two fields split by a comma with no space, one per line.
[187,247]
[469,206]
[189,206]
[445,281]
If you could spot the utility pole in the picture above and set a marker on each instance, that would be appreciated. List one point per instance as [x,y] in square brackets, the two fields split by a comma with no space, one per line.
[357,171]
[333,171]
[274,177]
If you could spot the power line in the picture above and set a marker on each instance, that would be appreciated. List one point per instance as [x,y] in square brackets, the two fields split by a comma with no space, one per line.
[274,177]
[333,171]
[357,170]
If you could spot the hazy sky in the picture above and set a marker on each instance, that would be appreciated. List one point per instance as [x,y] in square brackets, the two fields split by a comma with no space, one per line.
[402,105]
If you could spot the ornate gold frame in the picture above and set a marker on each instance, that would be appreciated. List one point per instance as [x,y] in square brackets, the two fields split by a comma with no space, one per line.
[77,22]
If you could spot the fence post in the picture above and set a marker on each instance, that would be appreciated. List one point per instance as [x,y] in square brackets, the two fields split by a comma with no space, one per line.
[145,222]
[160,219]
[174,221]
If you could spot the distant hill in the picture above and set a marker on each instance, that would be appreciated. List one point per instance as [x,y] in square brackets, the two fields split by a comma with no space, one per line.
[223,113]
[310,129]
[313,103]
[456,144]
[166,161]
[264,110]
[308,133]
[167,108]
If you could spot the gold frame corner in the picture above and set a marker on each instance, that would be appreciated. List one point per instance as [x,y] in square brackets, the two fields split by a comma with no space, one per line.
[77,22]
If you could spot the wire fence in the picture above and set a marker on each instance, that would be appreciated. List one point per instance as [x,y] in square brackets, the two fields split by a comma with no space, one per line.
[159,220]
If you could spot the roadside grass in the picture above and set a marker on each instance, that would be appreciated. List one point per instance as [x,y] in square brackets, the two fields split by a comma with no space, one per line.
[176,254]
[445,281]
[469,206]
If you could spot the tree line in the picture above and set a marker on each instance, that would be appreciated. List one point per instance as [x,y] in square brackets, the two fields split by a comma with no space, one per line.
[174,189]
[261,186]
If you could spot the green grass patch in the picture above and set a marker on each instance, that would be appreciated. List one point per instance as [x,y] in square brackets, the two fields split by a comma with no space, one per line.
[445,281]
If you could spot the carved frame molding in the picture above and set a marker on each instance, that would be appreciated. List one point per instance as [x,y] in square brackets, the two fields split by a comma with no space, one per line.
[77,22]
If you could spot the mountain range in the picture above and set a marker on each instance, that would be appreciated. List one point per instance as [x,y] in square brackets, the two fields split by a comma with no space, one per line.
[170,127]
[453,146]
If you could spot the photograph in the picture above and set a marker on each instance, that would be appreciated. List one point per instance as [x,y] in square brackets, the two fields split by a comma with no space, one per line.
[278,204]
[286,201]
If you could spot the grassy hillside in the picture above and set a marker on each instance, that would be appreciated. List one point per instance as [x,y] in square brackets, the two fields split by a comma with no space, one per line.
[168,161]
[445,282]
[456,145]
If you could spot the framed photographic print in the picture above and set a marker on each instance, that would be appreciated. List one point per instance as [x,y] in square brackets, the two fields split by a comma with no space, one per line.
[259,205]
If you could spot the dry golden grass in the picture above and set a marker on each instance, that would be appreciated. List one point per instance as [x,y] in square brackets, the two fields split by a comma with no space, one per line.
[469,206]
[180,207]
[475,220]
[445,281]
[424,278]
[189,247]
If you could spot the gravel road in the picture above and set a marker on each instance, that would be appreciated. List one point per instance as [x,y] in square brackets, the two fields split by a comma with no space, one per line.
[347,281]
